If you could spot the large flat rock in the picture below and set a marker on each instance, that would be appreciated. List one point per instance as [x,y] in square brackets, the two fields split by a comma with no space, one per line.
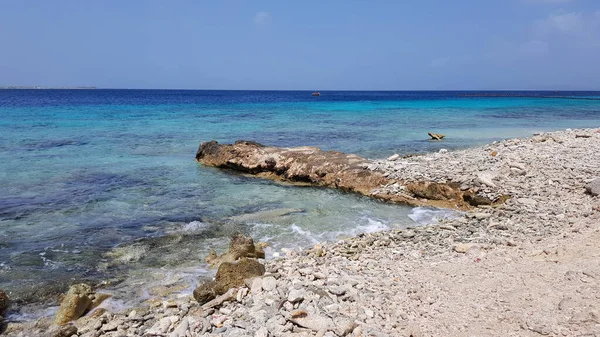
[312,166]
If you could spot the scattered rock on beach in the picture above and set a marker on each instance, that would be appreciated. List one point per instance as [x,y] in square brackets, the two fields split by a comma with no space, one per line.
[311,321]
[229,275]
[205,292]
[75,303]
[232,275]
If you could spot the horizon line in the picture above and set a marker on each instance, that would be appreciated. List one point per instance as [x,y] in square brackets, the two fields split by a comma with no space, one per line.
[26,87]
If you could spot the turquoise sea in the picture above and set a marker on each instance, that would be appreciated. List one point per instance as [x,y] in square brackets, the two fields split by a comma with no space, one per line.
[86,171]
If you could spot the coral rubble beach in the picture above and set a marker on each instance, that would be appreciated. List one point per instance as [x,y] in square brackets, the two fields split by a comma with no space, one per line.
[521,260]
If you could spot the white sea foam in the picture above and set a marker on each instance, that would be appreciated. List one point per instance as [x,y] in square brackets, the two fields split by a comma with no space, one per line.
[193,227]
[371,226]
[307,234]
[428,216]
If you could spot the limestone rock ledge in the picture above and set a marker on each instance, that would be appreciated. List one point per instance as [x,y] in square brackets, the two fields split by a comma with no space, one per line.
[310,166]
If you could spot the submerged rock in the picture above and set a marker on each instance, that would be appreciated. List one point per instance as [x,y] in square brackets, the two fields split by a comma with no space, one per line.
[436,136]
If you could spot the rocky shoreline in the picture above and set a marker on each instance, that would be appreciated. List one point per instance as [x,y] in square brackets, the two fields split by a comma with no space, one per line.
[525,266]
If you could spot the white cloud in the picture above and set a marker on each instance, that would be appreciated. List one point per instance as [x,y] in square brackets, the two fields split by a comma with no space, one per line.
[535,47]
[261,17]
[568,22]
[439,62]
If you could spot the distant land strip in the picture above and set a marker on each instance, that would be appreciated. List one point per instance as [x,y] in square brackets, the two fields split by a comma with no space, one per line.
[45,88]
[517,95]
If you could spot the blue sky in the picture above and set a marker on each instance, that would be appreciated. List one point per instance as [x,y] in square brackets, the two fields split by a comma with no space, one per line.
[354,45]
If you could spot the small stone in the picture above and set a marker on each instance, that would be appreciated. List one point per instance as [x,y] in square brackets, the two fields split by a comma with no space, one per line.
[181,329]
[481,216]
[393,157]
[269,283]
[262,332]
[369,312]
[242,292]
[64,331]
[593,187]
[443,151]
[225,311]
[462,247]
[486,179]
[527,202]
[295,295]
[256,286]
[305,271]
[339,291]
[311,321]
[112,325]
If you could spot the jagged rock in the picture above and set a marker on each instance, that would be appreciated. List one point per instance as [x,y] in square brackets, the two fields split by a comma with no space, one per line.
[301,165]
[311,166]
[3,302]
[232,275]
[229,275]
[75,303]
[436,136]
[240,246]
[593,187]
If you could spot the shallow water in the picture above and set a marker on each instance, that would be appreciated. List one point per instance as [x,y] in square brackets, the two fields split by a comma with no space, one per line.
[86,171]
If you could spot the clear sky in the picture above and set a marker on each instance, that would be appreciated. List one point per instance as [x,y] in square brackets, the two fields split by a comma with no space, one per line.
[334,44]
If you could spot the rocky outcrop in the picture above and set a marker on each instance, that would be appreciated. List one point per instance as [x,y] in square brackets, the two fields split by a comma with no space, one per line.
[302,165]
[311,166]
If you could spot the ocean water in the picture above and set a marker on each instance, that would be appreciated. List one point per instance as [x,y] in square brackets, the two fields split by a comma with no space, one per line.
[101,185]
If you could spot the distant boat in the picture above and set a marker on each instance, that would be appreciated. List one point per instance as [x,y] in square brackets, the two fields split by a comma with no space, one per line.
[316,93]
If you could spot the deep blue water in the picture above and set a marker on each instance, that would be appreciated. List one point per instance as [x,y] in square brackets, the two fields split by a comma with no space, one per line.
[84,171]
